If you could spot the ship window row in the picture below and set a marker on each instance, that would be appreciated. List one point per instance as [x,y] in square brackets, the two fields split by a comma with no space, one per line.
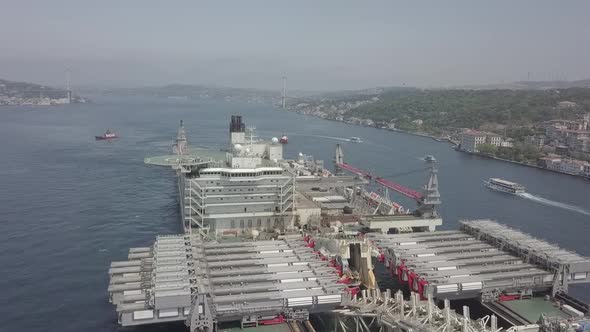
[226,190]
[246,197]
[277,223]
[239,175]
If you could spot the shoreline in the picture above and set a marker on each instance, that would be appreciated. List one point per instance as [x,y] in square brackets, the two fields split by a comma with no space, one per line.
[434,138]
[454,144]
[521,163]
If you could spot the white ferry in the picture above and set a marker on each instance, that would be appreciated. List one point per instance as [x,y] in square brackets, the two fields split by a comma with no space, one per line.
[355,140]
[504,186]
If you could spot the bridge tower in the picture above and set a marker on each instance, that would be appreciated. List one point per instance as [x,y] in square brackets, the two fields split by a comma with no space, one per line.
[68,87]
[284,93]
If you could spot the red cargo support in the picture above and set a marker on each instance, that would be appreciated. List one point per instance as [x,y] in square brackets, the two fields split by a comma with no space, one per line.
[346,280]
[421,285]
[411,277]
[277,320]
[504,297]
[353,290]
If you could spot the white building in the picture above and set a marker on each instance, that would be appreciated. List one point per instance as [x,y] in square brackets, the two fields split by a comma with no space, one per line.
[587,170]
[553,164]
[472,138]
[571,166]
[493,139]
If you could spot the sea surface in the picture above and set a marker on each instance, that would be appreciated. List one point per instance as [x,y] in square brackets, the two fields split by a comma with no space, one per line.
[69,205]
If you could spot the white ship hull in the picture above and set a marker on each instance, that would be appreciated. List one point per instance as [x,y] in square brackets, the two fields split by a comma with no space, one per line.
[503,189]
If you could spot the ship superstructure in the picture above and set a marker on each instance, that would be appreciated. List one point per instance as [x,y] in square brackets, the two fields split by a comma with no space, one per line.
[240,192]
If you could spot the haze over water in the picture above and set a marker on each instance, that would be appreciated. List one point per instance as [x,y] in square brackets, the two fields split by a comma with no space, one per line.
[70,205]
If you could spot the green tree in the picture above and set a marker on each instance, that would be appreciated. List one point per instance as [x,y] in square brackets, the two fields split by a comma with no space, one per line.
[531,152]
[488,149]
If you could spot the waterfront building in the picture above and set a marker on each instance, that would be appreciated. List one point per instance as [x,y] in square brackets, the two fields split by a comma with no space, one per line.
[537,141]
[571,166]
[472,138]
[493,139]
[587,170]
[551,163]
[582,144]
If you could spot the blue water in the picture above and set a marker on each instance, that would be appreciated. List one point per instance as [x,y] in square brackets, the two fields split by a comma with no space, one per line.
[69,205]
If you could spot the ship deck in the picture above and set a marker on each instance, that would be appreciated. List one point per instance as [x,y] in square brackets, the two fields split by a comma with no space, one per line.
[524,312]
[478,260]
[196,157]
[230,280]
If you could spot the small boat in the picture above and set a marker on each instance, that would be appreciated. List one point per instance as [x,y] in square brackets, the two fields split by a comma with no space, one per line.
[107,135]
[429,159]
[284,139]
[504,186]
[355,139]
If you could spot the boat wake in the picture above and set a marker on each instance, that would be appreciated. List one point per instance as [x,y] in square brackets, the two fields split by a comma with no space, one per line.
[331,137]
[554,203]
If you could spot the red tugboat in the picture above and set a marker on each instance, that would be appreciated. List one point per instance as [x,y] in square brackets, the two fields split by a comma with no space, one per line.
[107,135]
[284,139]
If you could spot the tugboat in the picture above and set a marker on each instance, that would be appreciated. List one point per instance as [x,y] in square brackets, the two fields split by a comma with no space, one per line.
[107,135]
[355,140]
[429,159]
[284,139]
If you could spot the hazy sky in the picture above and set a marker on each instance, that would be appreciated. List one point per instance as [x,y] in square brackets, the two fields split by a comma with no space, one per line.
[317,44]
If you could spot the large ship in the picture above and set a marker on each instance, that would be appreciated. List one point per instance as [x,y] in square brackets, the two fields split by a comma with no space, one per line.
[504,186]
[325,228]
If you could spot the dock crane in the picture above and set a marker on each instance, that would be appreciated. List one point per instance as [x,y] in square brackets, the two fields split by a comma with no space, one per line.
[427,199]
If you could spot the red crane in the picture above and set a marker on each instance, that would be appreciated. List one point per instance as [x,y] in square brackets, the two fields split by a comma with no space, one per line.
[411,193]
[355,170]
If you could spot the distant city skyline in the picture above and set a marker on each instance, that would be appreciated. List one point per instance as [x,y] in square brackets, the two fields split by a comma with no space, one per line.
[328,45]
